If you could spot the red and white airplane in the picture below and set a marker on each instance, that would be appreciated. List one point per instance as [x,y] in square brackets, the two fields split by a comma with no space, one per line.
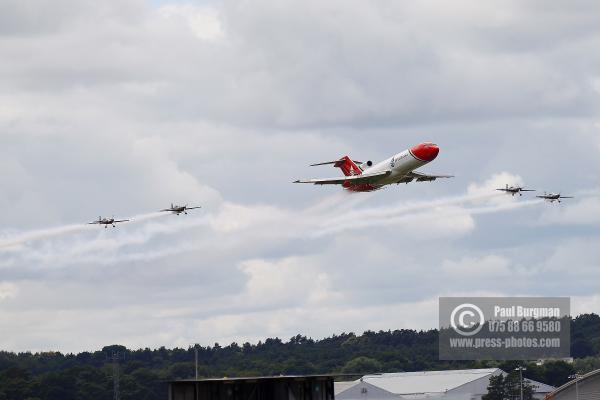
[366,177]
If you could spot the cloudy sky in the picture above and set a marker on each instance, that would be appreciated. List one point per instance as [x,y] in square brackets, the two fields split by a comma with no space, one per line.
[122,107]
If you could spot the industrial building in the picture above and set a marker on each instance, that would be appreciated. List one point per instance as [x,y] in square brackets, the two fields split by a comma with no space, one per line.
[428,385]
[314,387]
[584,387]
[469,384]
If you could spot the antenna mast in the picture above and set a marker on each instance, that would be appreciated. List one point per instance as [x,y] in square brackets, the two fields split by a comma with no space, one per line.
[115,358]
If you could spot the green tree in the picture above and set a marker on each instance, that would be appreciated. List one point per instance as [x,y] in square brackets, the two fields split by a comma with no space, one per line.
[586,365]
[363,365]
[508,387]
[496,389]
[512,387]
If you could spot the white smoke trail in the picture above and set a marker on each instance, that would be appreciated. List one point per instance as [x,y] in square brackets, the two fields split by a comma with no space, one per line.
[387,216]
[383,212]
[26,237]
[148,216]
[332,215]
[341,201]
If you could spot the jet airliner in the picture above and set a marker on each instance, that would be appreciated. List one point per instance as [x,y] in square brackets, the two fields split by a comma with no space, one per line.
[367,177]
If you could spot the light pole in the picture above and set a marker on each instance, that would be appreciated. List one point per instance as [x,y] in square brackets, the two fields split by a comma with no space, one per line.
[196,365]
[196,359]
[576,377]
[521,369]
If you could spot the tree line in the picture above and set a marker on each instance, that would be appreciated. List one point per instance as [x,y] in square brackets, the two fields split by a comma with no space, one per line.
[143,372]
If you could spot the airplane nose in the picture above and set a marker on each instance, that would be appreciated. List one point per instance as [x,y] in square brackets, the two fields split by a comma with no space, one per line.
[425,151]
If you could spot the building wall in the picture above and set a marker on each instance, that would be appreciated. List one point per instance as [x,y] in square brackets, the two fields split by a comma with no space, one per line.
[257,389]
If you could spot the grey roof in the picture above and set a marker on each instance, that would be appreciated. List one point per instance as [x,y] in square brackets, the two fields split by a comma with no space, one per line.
[339,387]
[567,385]
[540,387]
[427,381]
[361,390]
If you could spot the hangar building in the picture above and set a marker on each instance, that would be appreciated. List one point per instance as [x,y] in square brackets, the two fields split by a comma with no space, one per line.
[443,385]
[587,387]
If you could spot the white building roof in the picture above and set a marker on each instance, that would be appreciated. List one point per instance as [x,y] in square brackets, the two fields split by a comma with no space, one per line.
[405,383]
[339,387]
[360,390]
[540,387]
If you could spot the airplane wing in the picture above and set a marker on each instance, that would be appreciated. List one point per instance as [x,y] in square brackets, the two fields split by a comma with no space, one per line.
[120,220]
[503,190]
[192,208]
[166,209]
[527,190]
[420,177]
[93,223]
[567,197]
[355,179]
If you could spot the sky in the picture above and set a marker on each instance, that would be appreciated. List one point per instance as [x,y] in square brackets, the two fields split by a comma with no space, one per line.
[124,107]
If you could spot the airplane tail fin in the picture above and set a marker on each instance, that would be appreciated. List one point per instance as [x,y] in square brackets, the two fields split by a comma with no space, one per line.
[348,166]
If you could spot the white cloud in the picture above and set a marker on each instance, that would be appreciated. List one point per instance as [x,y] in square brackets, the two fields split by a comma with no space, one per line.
[584,211]
[497,181]
[295,281]
[203,21]
[491,266]
[7,290]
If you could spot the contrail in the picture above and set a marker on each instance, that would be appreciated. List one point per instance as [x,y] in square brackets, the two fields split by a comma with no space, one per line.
[385,216]
[148,216]
[403,208]
[331,215]
[39,234]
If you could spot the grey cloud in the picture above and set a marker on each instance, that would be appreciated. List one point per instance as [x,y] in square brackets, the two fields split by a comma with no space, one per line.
[352,64]
[114,107]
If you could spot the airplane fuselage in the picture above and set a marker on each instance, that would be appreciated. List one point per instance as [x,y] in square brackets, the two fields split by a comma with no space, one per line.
[513,191]
[400,165]
[551,197]
[175,209]
[366,177]
[107,221]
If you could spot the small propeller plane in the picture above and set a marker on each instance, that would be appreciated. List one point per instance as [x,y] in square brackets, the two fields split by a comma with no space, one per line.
[513,190]
[366,177]
[175,209]
[107,221]
[552,197]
